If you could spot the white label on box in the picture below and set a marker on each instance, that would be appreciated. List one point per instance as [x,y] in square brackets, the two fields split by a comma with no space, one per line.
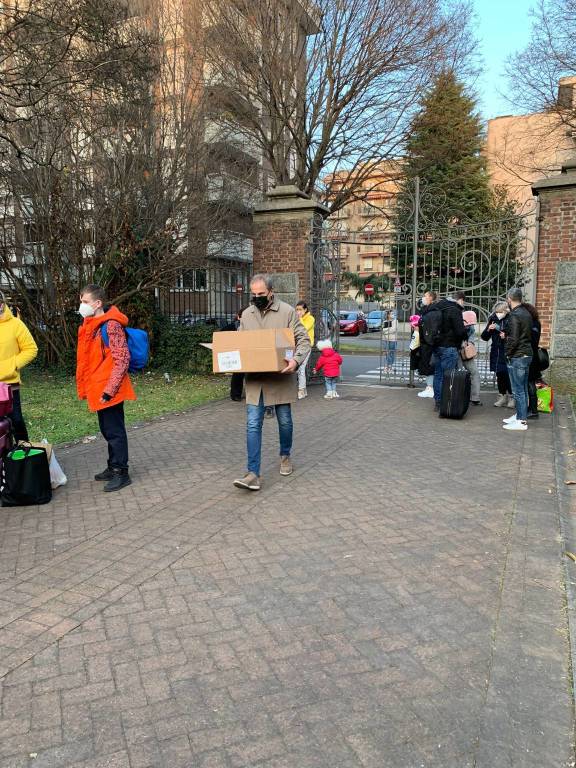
[229,361]
[289,354]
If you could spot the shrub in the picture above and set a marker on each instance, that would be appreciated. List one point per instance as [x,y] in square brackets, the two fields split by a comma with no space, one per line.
[177,347]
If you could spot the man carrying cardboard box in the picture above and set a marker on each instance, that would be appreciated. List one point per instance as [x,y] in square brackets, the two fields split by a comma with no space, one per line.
[264,389]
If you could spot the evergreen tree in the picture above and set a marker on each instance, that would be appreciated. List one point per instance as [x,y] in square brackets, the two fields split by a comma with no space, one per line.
[445,151]
[456,201]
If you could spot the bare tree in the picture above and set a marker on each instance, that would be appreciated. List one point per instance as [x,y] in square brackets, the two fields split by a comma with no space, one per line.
[109,181]
[332,84]
[536,71]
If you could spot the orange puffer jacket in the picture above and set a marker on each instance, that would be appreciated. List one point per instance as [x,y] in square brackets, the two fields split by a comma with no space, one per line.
[95,364]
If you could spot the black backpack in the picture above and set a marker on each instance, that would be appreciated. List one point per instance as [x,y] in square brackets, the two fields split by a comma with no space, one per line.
[431,327]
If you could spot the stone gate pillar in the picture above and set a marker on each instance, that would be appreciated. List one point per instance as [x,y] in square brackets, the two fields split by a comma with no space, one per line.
[556,271]
[284,225]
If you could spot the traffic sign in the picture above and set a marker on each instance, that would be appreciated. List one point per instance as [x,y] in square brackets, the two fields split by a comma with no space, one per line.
[397,286]
[368,289]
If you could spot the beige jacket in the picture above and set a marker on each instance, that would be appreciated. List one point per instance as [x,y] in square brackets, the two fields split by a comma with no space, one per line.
[277,388]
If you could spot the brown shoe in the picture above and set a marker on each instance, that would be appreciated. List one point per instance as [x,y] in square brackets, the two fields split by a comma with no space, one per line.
[249,482]
[286,467]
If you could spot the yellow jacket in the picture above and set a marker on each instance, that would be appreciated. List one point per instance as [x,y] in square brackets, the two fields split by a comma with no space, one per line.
[17,347]
[308,322]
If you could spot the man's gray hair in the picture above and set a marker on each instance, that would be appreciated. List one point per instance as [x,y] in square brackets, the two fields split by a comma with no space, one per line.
[515,294]
[266,279]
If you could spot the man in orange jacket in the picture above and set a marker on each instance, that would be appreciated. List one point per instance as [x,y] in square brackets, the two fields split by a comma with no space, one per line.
[102,378]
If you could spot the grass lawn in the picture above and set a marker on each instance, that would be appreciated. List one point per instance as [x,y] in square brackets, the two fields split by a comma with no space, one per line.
[52,410]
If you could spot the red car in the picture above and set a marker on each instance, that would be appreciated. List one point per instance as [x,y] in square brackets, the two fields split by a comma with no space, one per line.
[352,323]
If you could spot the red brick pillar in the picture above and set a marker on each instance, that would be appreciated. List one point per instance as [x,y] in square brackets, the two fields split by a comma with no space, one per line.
[556,269]
[284,226]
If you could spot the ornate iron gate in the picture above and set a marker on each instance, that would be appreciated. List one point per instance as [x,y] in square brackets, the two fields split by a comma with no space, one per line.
[482,259]
[324,271]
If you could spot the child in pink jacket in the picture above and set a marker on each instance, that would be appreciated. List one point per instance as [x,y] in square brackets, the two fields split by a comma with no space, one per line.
[330,361]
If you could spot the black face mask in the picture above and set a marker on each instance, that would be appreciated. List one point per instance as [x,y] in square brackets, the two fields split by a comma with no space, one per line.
[260,302]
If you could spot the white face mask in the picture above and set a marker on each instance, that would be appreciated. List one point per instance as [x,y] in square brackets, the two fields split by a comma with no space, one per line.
[500,315]
[86,310]
[424,301]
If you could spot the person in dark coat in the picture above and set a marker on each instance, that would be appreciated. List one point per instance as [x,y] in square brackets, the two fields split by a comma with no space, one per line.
[498,355]
[452,334]
[425,365]
[237,379]
[534,372]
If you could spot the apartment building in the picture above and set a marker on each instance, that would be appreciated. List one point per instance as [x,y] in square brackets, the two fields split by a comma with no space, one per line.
[363,226]
[520,149]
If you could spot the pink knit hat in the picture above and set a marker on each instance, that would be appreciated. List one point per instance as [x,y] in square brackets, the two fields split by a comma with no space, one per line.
[414,320]
[469,317]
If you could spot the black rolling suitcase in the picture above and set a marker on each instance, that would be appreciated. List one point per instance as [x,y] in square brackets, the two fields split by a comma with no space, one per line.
[455,394]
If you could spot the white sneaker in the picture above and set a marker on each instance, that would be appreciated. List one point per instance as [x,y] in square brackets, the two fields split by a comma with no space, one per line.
[510,419]
[428,392]
[501,402]
[335,394]
[302,394]
[518,426]
[328,396]
[511,402]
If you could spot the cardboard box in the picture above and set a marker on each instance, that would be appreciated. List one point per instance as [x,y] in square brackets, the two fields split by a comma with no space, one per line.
[263,351]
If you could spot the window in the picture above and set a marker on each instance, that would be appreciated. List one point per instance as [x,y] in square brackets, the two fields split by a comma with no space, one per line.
[193,280]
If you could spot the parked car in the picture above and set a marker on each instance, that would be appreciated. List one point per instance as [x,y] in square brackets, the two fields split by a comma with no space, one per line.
[217,322]
[352,323]
[377,319]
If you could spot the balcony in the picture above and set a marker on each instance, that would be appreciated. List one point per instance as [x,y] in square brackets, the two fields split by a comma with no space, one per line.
[231,191]
[221,132]
[230,246]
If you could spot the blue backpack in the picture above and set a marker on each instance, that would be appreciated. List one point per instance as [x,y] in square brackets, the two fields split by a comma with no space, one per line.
[138,346]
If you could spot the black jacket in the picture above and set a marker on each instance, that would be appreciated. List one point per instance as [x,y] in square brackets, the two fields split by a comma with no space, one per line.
[424,362]
[534,373]
[497,351]
[453,331]
[519,333]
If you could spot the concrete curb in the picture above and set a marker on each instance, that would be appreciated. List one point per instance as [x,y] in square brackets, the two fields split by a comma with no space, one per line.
[565,440]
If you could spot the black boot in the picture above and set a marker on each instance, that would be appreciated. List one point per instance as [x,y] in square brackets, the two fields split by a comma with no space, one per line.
[108,474]
[120,479]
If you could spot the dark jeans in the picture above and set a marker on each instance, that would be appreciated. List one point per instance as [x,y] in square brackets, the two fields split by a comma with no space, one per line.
[111,421]
[18,423]
[446,360]
[503,381]
[532,398]
[254,422]
[236,386]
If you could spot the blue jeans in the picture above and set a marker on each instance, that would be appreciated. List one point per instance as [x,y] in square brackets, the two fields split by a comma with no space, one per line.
[518,370]
[389,348]
[254,421]
[330,382]
[446,359]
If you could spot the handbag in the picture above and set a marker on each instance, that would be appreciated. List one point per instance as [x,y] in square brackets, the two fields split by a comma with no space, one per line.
[6,402]
[468,351]
[25,477]
[543,359]
[545,397]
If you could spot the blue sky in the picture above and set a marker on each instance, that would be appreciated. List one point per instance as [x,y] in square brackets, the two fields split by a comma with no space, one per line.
[503,28]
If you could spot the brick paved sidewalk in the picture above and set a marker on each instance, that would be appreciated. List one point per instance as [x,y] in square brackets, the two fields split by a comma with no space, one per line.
[397,602]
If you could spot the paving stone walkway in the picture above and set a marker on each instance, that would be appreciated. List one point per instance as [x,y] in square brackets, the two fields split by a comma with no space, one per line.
[398,602]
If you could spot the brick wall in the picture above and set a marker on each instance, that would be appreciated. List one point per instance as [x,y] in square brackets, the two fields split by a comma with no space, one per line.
[557,244]
[281,245]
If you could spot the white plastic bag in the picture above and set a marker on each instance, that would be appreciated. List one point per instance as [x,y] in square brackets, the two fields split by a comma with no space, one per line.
[57,476]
